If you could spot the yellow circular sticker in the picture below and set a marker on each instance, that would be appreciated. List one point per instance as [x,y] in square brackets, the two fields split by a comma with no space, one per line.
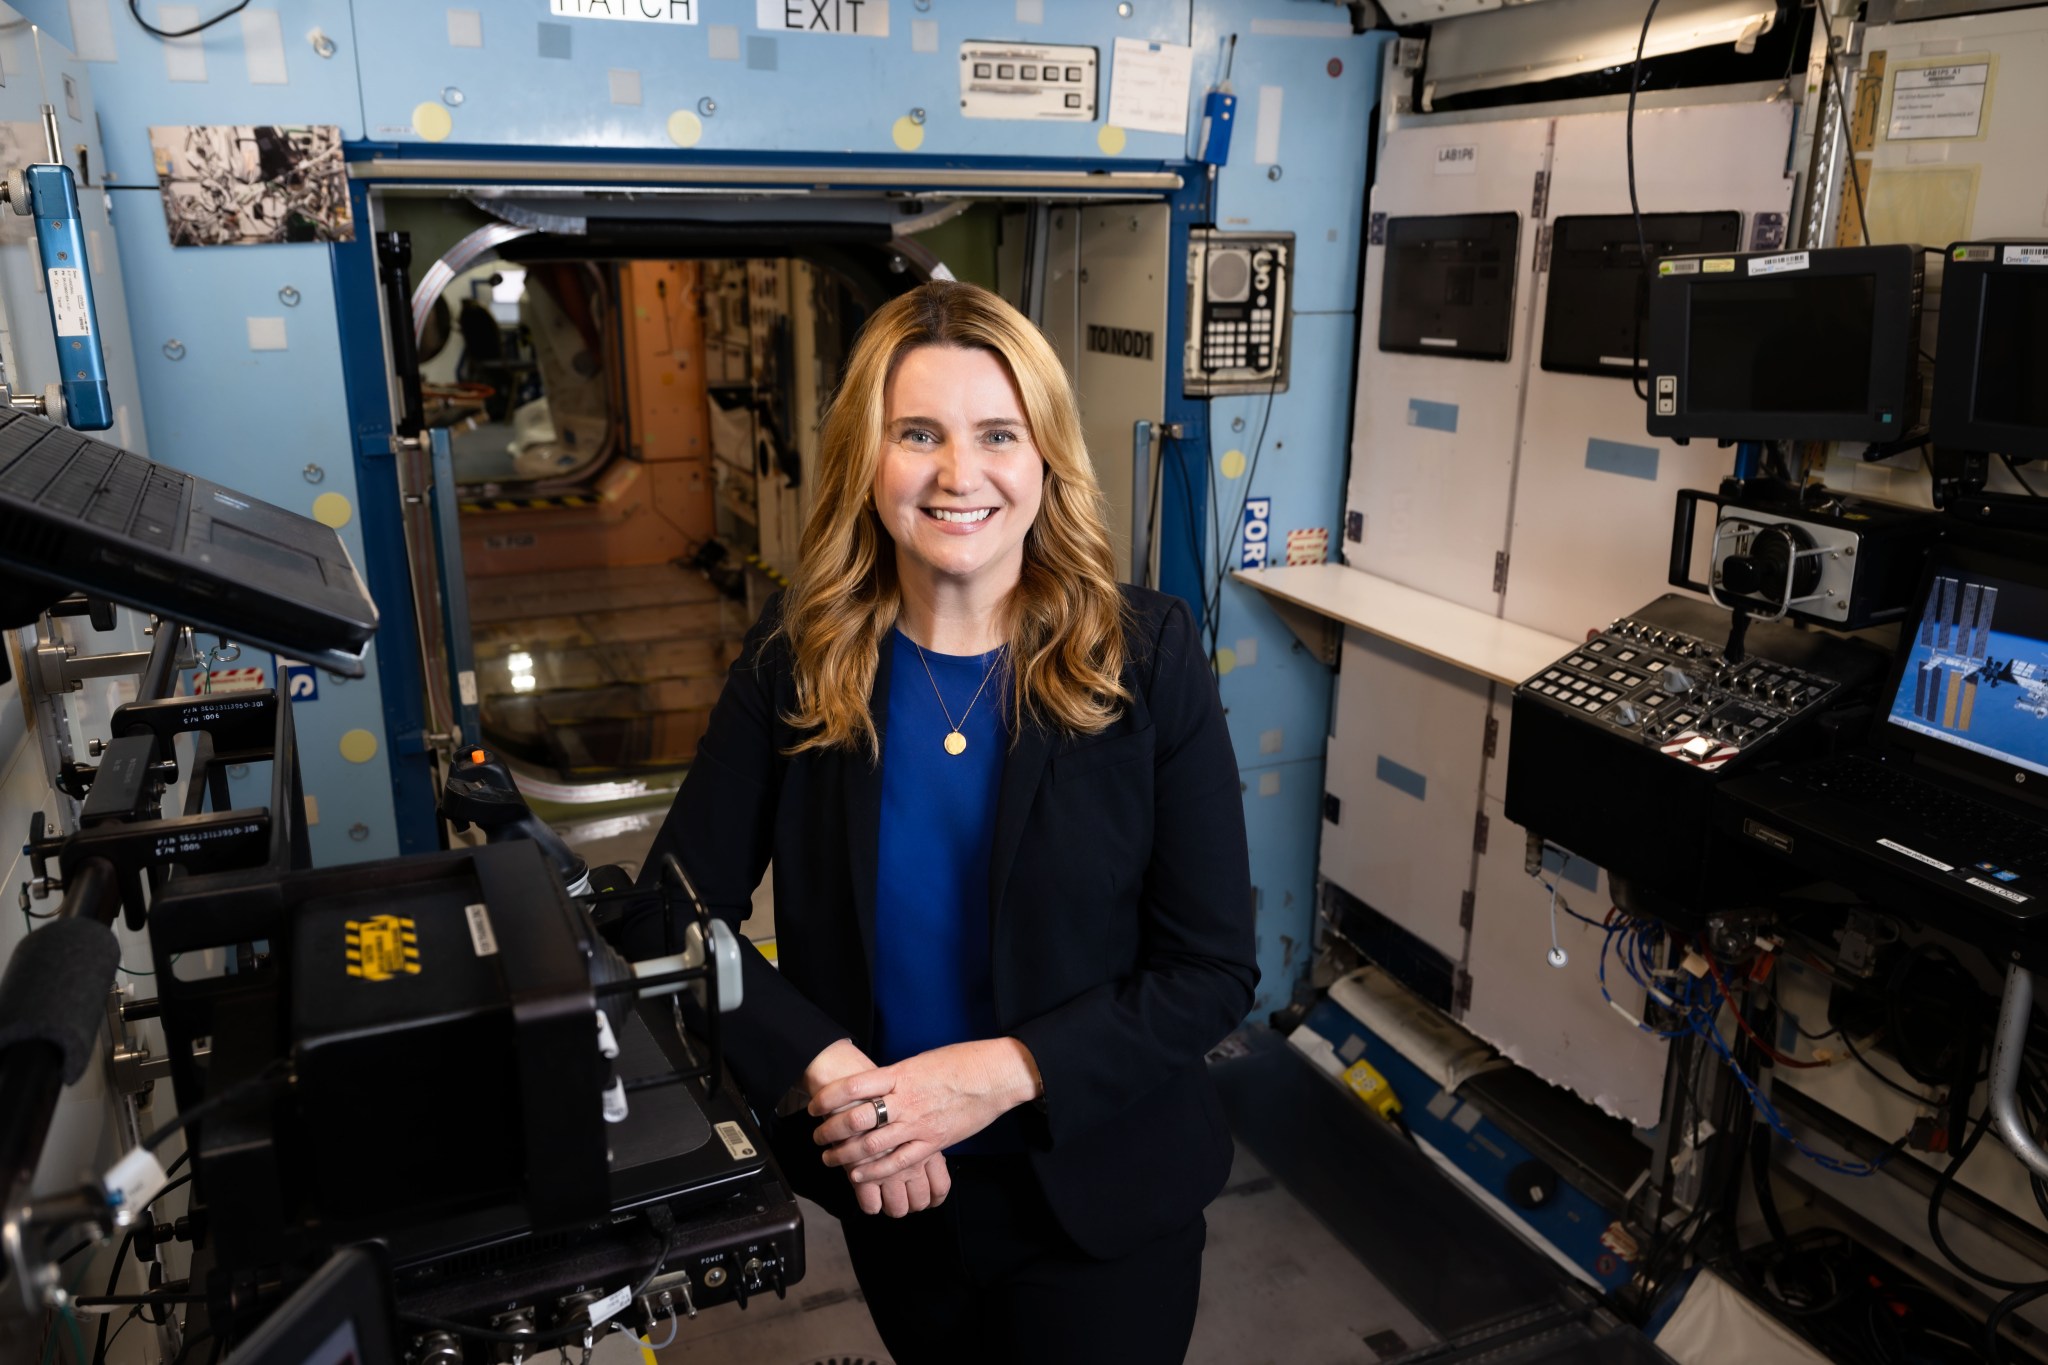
[1226,659]
[359,746]
[908,132]
[1233,464]
[432,121]
[685,129]
[1110,139]
[332,509]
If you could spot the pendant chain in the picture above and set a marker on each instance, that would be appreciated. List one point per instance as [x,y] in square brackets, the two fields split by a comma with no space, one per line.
[956,743]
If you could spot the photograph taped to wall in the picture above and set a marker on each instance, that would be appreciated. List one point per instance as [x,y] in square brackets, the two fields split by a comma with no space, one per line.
[242,184]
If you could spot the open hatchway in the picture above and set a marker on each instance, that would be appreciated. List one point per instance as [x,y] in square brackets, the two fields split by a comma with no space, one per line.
[620,396]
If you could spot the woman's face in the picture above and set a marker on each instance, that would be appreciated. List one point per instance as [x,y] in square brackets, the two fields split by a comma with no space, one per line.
[959,480]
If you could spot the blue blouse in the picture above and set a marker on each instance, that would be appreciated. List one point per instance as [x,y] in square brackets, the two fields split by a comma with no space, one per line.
[933,979]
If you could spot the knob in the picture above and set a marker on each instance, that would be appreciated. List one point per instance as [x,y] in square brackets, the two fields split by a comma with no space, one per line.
[1741,574]
[1627,713]
[1677,681]
[95,747]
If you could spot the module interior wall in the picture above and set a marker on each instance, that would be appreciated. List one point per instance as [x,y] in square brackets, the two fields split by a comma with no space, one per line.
[859,87]
[1553,1020]
[1593,492]
[1406,749]
[1433,439]
[265,422]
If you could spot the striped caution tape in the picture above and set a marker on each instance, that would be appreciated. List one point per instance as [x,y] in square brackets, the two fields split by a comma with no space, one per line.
[756,562]
[534,504]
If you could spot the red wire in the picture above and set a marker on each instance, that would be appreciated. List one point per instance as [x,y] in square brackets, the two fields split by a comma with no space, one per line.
[1780,1058]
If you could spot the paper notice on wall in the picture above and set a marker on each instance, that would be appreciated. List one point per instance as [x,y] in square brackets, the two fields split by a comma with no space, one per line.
[1939,101]
[1148,86]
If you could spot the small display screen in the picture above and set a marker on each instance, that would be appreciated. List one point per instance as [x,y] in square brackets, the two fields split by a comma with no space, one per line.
[1449,286]
[2012,350]
[1792,344]
[1977,676]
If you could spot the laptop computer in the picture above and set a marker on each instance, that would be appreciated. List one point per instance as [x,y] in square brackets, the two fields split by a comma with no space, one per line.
[1945,806]
[84,516]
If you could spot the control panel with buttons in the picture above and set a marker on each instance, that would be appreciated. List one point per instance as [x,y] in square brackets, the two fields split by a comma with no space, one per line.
[1027,81]
[1239,308]
[1616,750]
[1661,686]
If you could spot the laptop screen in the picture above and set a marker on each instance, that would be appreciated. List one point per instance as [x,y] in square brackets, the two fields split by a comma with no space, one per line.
[1977,674]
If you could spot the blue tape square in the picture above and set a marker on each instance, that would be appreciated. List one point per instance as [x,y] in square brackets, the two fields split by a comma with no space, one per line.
[1401,779]
[1433,416]
[1613,457]
[760,54]
[555,41]
[1571,868]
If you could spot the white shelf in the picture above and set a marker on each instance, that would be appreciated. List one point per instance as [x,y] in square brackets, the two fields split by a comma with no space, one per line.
[1460,636]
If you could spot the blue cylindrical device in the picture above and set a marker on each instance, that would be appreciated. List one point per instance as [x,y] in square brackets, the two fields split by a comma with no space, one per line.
[60,238]
[1219,116]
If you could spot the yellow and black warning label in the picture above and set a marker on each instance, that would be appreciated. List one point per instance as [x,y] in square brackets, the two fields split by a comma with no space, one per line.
[382,948]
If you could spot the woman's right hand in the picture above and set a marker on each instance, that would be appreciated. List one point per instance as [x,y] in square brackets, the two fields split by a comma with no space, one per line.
[922,1187]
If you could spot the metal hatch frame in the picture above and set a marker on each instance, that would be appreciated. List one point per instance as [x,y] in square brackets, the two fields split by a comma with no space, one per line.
[379,169]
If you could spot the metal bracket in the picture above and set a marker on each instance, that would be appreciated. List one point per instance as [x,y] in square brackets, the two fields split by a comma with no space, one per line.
[1321,635]
[135,1070]
[59,668]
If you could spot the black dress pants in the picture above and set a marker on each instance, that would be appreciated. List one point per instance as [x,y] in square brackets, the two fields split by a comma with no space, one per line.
[989,1278]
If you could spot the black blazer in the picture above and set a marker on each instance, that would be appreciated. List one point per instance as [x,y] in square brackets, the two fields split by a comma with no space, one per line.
[1120,895]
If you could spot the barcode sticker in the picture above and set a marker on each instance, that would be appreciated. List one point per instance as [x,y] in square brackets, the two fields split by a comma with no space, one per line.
[735,1139]
[610,1306]
[1777,265]
[67,302]
[480,935]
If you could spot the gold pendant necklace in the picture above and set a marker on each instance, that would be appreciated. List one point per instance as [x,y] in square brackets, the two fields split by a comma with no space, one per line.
[956,743]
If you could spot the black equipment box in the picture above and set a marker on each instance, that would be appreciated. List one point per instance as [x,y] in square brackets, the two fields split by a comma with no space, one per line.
[1817,556]
[1786,346]
[1615,750]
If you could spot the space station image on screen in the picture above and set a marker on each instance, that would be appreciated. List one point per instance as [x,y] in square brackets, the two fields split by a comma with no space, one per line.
[1978,674]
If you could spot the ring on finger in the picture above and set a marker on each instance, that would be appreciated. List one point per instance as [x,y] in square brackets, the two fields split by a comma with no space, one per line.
[881,1111]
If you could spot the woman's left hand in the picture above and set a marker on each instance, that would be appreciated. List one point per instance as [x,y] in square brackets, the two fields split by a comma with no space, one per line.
[934,1099]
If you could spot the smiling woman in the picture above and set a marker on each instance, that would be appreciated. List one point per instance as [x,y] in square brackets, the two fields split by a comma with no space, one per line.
[1012,901]
[957,487]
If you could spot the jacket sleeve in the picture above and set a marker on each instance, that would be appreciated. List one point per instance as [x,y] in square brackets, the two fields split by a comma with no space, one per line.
[1198,963]
[722,829]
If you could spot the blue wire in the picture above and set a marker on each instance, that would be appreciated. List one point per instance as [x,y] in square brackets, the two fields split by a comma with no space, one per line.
[1698,1001]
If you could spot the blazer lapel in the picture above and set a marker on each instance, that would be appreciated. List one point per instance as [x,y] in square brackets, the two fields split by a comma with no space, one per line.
[1023,768]
[863,788]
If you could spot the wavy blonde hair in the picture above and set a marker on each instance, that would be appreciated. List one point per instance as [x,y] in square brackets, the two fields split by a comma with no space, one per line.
[1064,621]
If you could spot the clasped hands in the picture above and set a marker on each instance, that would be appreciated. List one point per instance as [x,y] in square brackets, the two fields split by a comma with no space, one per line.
[934,1099]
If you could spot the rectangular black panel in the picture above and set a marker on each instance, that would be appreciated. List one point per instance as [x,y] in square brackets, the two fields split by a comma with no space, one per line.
[1598,300]
[1449,285]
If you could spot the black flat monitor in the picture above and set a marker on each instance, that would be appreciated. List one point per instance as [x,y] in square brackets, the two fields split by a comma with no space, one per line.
[1789,345]
[1991,365]
[1598,301]
[343,1315]
[1449,285]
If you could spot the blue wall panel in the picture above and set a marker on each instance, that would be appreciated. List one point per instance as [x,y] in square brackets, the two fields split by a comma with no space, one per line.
[855,88]
[1320,193]
[1283,819]
[254,420]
